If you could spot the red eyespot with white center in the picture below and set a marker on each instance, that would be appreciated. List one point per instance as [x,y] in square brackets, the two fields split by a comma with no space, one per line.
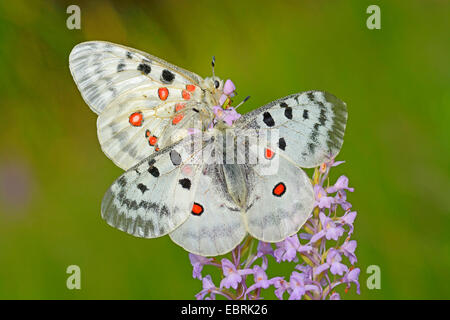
[152,140]
[163,93]
[136,119]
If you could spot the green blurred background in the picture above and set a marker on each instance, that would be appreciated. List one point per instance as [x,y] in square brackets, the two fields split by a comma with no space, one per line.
[53,173]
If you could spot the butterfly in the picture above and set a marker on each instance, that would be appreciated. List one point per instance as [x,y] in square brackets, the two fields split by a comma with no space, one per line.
[140,99]
[206,188]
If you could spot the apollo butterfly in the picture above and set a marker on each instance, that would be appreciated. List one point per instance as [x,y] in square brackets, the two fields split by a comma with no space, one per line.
[150,111]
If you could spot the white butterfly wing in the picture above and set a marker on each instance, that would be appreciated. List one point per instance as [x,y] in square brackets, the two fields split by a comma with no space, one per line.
[310,125]
[215,225]
[152,198]
[140,98]
[126,144]
[103,71]
[280,197]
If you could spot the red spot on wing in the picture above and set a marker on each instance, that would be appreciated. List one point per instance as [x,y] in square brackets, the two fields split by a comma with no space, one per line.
[185,94]
[136,119]
[197,209]
[179,106]
[163,93]
[177,118]
[152,140]
[279,189]
[190,87]
[268,153]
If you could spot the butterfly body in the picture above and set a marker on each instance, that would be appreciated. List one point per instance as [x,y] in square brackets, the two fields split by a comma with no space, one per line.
[205,181]
[235,177]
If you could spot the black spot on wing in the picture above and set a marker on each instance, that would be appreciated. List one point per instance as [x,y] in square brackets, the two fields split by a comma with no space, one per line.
[287,110]
[144,68]
[288,113]
[282,144]
[305,114]
[167,77]
[129,55]
[142,187]
[185,183]
[152,169]
[175,157]
[268,120]
[120,67]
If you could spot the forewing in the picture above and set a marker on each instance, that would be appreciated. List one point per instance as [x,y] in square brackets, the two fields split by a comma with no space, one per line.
[104,71]
[160,126]
[310,126]
[141,100]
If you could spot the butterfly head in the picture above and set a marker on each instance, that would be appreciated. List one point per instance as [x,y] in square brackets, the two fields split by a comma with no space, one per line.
[219,92]
[213,89]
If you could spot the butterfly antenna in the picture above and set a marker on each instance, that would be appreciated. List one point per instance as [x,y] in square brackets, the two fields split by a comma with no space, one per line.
[242,102]
[213,64]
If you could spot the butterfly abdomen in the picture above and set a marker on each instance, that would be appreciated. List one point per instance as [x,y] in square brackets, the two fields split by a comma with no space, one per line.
[236,185]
